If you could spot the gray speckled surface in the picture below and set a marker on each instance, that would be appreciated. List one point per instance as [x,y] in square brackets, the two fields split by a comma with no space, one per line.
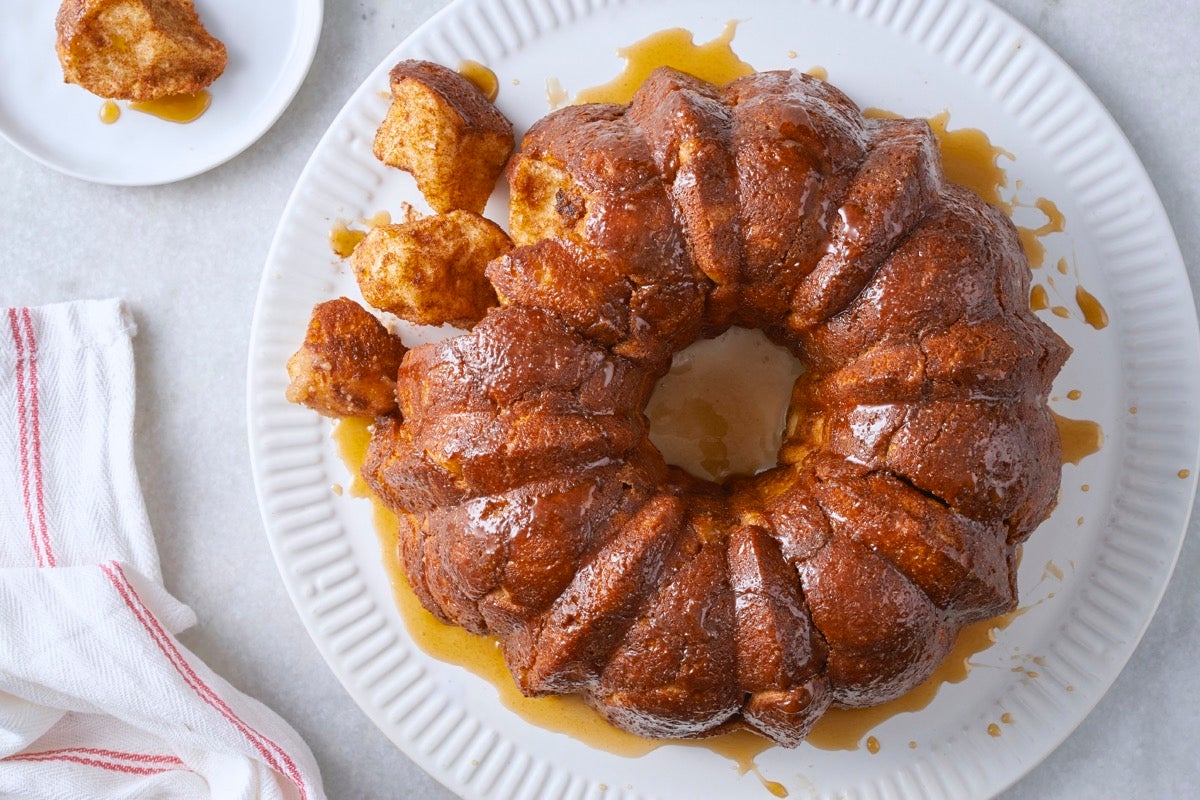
[187,257]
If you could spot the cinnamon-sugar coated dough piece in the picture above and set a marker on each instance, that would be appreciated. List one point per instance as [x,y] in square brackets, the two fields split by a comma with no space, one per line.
[136,49]
[918,453]
[430,270]
[347,364]
[441,128]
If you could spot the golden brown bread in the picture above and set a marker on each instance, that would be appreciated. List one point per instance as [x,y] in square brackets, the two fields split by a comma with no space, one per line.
[347,364]
[136,49]
[919,451]
[429,270]
[443,130]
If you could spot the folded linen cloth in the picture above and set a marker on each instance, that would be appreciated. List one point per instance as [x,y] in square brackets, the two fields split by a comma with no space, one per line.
[97,697]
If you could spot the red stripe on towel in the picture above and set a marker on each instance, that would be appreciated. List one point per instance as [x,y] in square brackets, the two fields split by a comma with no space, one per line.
[90,762]
[23,435]
[115,755]
[36,420]
[271,752]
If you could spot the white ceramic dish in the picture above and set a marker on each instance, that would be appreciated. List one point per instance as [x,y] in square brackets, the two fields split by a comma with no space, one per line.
[1091,578]
[271,44]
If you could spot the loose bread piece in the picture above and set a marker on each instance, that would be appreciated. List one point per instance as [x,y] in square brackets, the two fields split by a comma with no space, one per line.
[431,271]
[443,130]
[347,365]
[136,49]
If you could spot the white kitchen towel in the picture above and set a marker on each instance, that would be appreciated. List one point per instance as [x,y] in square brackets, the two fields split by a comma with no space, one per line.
[98,699]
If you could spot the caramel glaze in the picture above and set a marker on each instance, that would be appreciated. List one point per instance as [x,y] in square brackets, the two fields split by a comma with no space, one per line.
[1080,438]
[343,239]
[714,61]
[1031,237]
[482,77]
[971,159]
[110,112]
[181,108]
[1093,313]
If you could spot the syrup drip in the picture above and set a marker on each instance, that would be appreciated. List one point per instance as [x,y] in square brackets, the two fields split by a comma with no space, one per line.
[970,159]
[968,156]
[482,77]
[556,95]
[343,239]
[1080,438]
[713,61]
[1053,571]
[110,112]
[818,72]
[1093,313]
[1184,473]
[181,108]
[1031,238]
[742,748]
[1039,298]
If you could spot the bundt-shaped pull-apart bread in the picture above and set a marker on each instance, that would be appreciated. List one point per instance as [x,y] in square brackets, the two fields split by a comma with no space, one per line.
[919,450]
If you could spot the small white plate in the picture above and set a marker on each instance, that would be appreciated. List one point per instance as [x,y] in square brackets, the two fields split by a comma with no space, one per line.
[271,44]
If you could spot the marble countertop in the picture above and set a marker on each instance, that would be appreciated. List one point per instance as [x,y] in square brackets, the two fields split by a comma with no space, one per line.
[187,258]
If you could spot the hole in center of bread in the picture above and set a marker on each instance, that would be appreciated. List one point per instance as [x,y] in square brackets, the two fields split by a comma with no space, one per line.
[721,409]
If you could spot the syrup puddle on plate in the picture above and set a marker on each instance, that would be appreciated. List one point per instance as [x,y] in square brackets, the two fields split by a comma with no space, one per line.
[178,108]
[714,61]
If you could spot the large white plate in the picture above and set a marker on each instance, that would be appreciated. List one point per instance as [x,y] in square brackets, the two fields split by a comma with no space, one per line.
[271,44]
[1091,577]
